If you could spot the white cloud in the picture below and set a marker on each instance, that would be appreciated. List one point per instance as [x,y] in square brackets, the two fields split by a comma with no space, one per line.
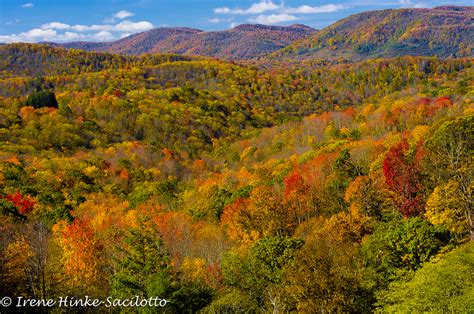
[120,15]
[123,14]
[73,36]
[94,27]
[61,32]
[280,13]
[55,25]
[27,5]
[70,36]
[273,19]
[306,9]
[128,26]
[39,35]
[256,8]
[103,36]
[232,25]
[124,26]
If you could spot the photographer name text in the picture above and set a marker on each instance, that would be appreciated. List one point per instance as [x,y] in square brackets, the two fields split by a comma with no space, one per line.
[72,302]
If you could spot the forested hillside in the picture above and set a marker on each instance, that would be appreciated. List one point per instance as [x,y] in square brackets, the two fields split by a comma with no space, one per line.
[225,187]
[246,41]
[443,32]
[446,31]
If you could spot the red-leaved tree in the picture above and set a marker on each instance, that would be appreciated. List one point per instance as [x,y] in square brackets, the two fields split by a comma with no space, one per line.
[23,204]
[403,177]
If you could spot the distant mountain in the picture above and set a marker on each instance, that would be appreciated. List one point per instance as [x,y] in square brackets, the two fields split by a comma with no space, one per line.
[446,31]
[246,41]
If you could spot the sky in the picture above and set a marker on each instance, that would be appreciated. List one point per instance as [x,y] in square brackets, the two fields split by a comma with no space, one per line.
[107,20]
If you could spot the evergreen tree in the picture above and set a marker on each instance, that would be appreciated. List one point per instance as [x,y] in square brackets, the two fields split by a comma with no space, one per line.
[42,98]
[144,269]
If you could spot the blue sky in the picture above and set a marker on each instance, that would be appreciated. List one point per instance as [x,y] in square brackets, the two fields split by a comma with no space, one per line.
[105,20]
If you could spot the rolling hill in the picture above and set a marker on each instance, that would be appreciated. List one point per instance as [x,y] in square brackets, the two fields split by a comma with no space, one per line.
[313,186]
[247,41]
[446,31]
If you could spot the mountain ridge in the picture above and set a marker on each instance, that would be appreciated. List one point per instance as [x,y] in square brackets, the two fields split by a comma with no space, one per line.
[445,31]
[246,41]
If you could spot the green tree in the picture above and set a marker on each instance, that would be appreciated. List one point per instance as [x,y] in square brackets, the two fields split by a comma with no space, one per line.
[42,98]
[260,273]
[444,285]
[233,301]
[190,297]
[399,246]
[345,167]
[144,268]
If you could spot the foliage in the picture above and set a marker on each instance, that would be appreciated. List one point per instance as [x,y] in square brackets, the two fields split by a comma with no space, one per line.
[403,176]
[144,267]
[42,98]
[327,274]
[233,300]
[292,186]
[239,43]
[387,33]
[453,148]
[445,207]
[444,284]
[260,273]
[399,246]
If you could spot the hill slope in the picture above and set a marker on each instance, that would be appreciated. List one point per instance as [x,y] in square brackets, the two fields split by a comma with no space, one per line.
[22,60]
[442,31]
[241,42]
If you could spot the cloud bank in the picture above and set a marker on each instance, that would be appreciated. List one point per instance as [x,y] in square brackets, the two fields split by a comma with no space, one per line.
[277,13]
[61,32]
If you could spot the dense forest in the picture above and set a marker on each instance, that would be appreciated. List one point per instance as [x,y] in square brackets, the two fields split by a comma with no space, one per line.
[442,32]
[225,187]
[243,42]
[445,31]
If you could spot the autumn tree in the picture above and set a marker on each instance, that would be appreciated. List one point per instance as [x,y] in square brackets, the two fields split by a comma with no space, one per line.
[233,300]
[364,194]
[397,246]
[403,176]
[260,272]
[40,275]
[24,204]
[16,268]
[25,262]
[297,198]
[451,149]
[446,207]
[327,273]
[345,170]
[82,258]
